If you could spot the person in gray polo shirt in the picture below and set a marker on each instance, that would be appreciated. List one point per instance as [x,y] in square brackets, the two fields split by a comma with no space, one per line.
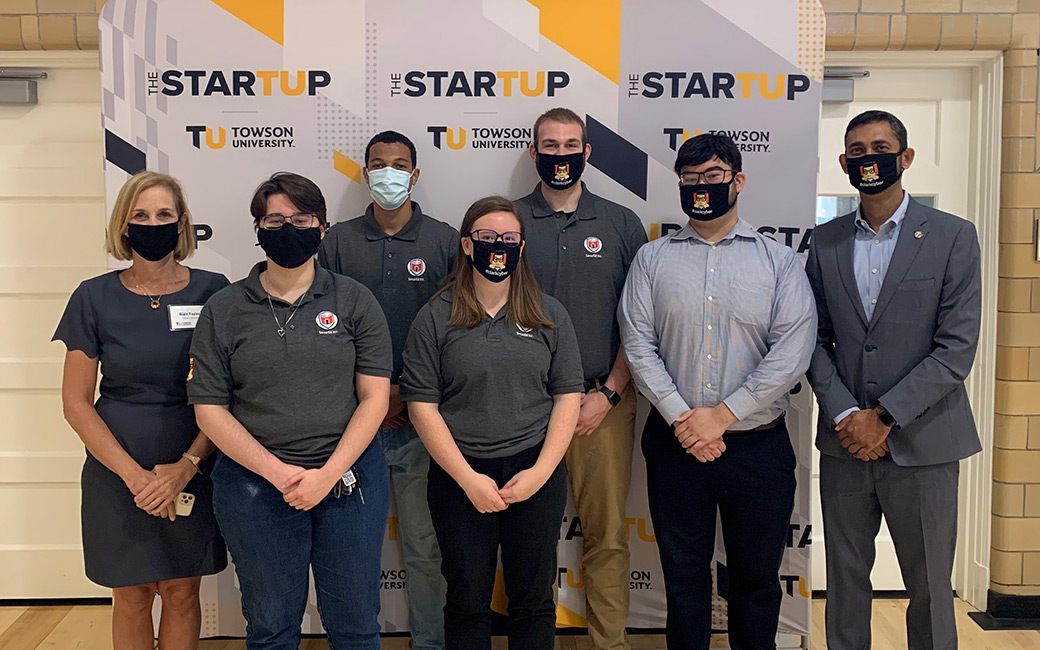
[580,246]
[492,377]
[289,373]
[402,256]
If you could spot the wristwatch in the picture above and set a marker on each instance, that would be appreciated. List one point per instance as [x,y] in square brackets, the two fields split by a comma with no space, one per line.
[885,417]
[611,396]
[194,460]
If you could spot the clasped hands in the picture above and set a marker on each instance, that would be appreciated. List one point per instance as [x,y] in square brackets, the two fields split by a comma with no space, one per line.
[700,431]
[864,435]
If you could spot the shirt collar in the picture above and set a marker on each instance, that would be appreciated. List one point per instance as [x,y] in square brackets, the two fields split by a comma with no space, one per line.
[410,232]
[323,283]
[896,219]
[740,229]
[540,207]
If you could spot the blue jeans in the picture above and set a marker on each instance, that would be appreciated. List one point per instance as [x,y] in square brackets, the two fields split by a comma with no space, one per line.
[273,545]
[409,465]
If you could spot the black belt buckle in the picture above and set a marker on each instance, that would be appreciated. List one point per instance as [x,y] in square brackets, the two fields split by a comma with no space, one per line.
[595,384]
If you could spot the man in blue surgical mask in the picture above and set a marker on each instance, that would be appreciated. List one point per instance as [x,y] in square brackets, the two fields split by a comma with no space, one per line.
[401,255]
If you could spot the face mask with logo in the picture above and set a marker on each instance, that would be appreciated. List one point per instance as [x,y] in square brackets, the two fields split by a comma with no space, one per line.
[289,247]
[389,187]
[496,261]
[560,172]
[153,242]
[875,173]
[706,202]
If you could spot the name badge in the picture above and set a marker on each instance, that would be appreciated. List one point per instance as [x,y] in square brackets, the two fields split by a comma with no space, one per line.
[184,317]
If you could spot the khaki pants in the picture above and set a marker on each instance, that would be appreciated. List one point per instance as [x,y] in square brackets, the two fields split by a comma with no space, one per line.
[600,470]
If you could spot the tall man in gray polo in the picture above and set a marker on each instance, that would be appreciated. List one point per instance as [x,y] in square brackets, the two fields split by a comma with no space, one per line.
[402,256]
[898,292]
[580,246]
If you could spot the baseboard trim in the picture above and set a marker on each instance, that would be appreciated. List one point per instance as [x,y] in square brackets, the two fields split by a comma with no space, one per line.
[879,594]
[1009,612]
[53,602]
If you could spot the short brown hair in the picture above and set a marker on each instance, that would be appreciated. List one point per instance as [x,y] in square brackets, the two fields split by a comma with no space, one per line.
[302,191]
[116,242]
[524,302]
[562,115]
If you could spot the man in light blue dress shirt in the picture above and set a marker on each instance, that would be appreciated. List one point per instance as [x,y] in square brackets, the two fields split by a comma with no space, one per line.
[898,294]
[717,324]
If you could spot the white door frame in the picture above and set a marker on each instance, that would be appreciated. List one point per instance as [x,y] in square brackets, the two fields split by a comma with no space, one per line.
[971,566]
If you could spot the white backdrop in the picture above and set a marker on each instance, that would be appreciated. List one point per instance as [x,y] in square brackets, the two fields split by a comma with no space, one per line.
[221,93]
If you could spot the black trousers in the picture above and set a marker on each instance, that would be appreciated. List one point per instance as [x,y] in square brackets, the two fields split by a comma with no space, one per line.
[527,533]
[751,487]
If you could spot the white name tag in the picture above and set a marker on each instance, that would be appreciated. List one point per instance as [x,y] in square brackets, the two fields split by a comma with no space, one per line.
[184,317]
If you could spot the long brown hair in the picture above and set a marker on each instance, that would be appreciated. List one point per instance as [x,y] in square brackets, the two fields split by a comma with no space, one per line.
[524,302]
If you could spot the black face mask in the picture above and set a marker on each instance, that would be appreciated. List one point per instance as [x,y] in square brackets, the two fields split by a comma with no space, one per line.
[289,247]
[496,262]
[875,173]
[560,172]
[153,242]
[706,202]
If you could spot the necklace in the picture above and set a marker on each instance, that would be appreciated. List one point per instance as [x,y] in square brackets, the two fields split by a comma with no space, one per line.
[154,300]
[281,327]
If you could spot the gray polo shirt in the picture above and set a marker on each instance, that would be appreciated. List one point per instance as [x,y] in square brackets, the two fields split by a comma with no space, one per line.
[294,394]
[494,382]
[403,270]
[582,260]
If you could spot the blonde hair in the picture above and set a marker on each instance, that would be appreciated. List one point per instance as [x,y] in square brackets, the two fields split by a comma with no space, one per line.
[115,240]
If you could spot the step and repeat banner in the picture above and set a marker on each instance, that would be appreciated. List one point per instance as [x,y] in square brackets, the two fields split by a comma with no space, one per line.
[222,93]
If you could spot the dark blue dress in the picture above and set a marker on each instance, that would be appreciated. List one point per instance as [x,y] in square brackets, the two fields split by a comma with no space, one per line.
[143,400]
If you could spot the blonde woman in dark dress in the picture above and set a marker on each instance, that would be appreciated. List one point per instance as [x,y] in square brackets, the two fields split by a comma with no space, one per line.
[143,445]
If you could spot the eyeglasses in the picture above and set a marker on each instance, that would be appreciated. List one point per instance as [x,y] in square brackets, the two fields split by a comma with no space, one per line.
[488,236]
[712,176]
[298,221]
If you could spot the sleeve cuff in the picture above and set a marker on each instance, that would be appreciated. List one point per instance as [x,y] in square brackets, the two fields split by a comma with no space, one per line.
[672,406]
[742,403]
[374,372]
[844,414]
[413,396]
[216,400]
[567,388]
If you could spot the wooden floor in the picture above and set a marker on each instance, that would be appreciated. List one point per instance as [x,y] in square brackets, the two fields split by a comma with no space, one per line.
[87,628]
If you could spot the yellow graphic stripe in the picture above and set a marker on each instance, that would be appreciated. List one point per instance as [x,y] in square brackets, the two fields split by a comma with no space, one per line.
[265,16]
[588,29]
[347,167]
[568,618]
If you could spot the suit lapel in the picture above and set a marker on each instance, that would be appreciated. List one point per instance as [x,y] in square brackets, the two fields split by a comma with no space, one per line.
[907,247]
[844,251]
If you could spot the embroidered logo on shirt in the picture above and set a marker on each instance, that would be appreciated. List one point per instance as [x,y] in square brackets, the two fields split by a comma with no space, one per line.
[524,331]
[326,320]
[416,267]
[191,367]
[593,245]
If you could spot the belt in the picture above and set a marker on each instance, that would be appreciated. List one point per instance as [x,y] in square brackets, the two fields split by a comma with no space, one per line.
[765,427]
[595,384]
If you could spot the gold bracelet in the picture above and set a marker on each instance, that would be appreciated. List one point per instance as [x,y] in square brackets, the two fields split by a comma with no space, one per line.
[194,460]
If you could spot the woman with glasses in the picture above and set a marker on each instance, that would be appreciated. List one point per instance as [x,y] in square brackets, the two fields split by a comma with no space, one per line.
[143,445]
[291,379]
[493,380]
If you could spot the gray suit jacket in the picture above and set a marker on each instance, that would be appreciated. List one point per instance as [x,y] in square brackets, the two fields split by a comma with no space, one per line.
[913,355]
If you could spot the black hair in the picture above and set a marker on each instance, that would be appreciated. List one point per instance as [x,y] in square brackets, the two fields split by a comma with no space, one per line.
[873,117]
[390,137]
[301,190]
[702,148]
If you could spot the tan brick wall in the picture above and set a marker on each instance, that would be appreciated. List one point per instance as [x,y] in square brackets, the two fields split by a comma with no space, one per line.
[49,24]
[1014,27]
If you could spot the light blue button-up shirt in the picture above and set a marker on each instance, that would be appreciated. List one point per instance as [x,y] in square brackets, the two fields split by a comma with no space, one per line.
[871,255]
[732,321]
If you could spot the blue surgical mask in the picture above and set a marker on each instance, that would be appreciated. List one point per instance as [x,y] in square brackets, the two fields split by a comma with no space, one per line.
[389,187]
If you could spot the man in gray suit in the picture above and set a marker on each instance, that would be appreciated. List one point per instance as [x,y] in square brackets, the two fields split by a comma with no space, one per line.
[899,299]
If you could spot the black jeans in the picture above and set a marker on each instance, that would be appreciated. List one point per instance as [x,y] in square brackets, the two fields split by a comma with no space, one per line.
[751,487]
[527,533]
